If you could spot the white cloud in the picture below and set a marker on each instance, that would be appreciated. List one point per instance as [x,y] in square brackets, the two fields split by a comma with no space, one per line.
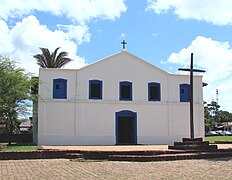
[216,58]
[217,12]
[76,10]
[79,33]
[24,39]
[123,36]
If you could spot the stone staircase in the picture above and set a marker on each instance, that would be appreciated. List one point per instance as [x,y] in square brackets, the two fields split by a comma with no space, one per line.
[146,156]
[170,157]
[142,155]
[193,144]
[189,148]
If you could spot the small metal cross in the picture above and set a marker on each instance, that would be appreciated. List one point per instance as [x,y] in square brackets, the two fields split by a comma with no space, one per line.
[123,44]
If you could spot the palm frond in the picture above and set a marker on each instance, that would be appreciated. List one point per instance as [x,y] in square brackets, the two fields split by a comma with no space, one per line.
[62,59]
[53,56]
[52,60]
[47,56]
[41,61]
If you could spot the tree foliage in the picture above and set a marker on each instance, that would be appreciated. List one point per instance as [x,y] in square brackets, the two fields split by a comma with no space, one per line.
[52,60]
[214,116]
[14,91]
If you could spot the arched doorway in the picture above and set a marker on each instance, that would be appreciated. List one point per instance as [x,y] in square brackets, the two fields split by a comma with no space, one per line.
[126,127]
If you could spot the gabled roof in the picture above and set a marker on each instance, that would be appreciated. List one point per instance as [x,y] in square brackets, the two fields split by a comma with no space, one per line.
[124,52]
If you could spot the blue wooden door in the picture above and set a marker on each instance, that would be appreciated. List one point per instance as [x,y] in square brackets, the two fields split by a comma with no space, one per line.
[126,127]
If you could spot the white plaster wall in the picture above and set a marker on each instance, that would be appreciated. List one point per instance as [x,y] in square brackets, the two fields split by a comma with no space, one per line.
[156,124]
[56,119]
[63,121]
[46,77]
[122,67]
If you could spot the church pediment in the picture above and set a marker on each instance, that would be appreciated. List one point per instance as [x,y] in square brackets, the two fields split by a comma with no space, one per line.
[124,60]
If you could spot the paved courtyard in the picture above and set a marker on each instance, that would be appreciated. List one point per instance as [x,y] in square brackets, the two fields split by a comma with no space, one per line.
[66,169]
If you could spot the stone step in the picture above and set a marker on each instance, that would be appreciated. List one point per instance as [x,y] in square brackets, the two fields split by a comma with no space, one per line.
[204,147]
[204,143]
[74,156]
[193,144]
[169,157]
[192,139]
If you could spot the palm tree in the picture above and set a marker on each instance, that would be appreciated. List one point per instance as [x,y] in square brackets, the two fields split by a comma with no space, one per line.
[52,60]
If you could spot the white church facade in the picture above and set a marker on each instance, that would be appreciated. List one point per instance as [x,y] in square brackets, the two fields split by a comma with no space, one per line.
[121,99]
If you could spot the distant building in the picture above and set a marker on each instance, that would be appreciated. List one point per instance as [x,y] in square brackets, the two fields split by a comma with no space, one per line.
[25,126]
[121,99]
[226,126]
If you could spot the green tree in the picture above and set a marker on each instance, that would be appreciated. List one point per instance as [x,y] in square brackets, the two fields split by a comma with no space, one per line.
[52,60]
[224,116]
[14,91]
[214,116]
[209,123]
[211,115]
[214,110]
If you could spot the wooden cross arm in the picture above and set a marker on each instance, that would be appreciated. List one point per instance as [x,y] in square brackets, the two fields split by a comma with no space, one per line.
[198,70]
[183,69]
[194,70]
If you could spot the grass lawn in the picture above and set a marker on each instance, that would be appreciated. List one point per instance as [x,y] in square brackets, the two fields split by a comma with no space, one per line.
[18,147]
[211,139]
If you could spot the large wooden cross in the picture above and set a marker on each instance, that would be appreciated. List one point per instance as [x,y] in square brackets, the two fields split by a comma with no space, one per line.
[191,92]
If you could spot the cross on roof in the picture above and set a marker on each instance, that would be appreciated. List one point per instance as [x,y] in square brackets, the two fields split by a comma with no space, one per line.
[191,70]
[123,44]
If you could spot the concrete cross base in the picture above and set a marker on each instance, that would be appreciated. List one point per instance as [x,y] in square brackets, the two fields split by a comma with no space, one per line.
[193,144]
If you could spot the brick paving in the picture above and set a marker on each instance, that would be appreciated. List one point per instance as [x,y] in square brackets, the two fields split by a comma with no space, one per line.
[66,169]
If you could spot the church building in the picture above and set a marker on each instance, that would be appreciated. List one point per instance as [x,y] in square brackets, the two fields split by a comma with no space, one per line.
[120,99]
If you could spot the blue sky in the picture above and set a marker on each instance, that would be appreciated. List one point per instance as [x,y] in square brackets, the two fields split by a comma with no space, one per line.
[162,32]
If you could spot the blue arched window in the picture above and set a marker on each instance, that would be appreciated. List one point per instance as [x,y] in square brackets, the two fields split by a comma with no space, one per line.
[184,93]
[95,89]
[125,91]
[154,91]
[59,88]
